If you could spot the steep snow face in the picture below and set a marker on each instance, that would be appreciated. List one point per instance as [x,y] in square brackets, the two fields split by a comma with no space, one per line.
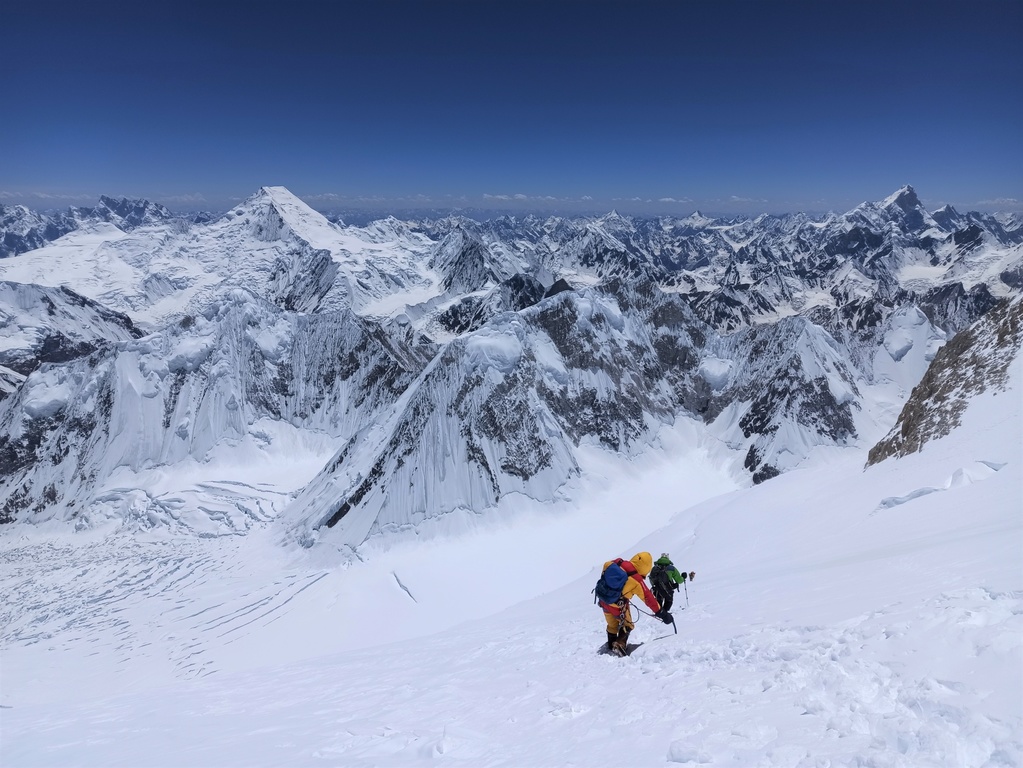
[974,361]
[9,381]
[789,390]
[91,429]
[376,271]
[465,262]
[43,325]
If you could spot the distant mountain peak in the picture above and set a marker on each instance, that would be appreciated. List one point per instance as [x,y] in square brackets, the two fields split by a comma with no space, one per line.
[947,217]
[905,198]
[128,213]
[697,219]
[277,207]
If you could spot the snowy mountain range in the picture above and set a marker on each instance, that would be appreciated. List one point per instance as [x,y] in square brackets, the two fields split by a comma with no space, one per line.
[281,491]
[22,229]
[432,369]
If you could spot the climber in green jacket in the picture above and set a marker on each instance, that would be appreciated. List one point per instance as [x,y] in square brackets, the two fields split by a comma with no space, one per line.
[665,579]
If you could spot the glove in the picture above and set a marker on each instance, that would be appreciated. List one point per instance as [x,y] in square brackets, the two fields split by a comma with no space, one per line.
[665,617]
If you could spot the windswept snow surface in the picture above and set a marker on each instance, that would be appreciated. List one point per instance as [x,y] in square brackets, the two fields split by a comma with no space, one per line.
[839,616]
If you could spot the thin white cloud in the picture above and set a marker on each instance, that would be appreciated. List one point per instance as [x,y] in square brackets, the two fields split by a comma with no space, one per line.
[188,199]
[8,195]
[1006,202]
[521,198]
[674,200]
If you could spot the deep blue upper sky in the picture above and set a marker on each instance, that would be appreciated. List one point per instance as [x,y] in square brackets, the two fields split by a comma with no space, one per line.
[643,106]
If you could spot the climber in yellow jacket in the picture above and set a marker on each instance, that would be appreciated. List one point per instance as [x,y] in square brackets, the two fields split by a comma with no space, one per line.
[618,614]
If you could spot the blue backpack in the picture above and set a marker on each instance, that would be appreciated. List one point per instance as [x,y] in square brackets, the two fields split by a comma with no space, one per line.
[610,584]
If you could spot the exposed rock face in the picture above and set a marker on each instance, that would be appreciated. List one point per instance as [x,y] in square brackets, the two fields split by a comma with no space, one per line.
[473,312]
[503,410]
[975,360]
[127,214]
[24,230]
[54,325]
[465,262]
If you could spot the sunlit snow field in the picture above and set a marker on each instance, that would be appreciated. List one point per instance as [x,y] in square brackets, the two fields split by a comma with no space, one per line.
[839,617]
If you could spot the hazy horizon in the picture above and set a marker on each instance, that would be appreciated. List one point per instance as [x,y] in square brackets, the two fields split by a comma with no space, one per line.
[735,107]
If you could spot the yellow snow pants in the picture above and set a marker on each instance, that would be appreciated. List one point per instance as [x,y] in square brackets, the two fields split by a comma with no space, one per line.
[614,622]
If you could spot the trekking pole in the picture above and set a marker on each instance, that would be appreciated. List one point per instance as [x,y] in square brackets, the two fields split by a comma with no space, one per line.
[687,593]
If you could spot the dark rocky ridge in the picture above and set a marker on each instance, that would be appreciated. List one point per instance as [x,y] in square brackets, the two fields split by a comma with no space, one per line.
[972,362]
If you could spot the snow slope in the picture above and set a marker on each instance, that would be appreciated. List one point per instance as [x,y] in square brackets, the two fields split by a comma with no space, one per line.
[840,616]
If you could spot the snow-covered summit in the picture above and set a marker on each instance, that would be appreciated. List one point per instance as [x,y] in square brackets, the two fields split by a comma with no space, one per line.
[277,213]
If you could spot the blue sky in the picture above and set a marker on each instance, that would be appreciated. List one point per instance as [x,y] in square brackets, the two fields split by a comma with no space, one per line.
[647,107]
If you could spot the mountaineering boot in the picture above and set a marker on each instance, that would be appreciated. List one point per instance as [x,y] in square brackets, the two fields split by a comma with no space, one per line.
[611,640]
[621,643]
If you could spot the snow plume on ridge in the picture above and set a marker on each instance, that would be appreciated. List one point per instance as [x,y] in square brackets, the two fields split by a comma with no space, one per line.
[187,393]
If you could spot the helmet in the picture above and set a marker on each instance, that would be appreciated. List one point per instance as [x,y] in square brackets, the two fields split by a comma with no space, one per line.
[643,562]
